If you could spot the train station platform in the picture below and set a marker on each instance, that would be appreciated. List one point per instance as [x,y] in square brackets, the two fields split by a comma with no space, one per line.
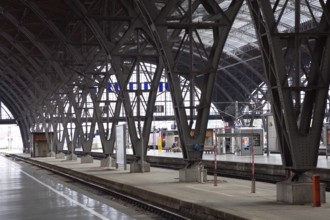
[272,159]
[230,199]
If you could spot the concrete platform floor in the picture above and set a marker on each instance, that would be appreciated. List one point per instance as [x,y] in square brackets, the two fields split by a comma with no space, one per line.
[29,193]
[230,195]
[323,161]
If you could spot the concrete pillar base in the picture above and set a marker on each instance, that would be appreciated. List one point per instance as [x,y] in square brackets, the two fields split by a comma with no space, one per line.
[194,173]
[297,193]
[51,154]
[60,156]
[108,162]
[71,157]
[86,159]
[136,167]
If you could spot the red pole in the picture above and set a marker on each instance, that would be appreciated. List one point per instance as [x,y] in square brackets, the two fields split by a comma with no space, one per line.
[316,190]
[253,187]
[215,166]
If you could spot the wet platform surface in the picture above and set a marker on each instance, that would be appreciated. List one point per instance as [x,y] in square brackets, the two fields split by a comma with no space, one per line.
[28,193]
[231,196]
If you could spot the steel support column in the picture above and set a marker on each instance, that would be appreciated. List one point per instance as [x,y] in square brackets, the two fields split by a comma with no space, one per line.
[299,92]
[218,21]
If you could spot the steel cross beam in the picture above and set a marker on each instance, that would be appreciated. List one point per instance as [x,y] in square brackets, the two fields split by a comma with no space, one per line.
[108,143]
[192,143]
[16,77]
[42,47]
[111,48]
[57,108]
[61,128]
[77,102]
[298,107]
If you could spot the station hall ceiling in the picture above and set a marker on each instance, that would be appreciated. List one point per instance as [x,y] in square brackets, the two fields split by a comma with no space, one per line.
[47,46]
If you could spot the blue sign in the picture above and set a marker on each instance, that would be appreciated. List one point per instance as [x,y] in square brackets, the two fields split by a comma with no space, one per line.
[162,86]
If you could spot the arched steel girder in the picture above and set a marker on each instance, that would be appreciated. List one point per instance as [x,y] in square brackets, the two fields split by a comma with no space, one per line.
[24,52]
[24,129]
[52,27]
[81,11]
[106,45]
[5,100]
[42,47]
[21,63]
[240,69]
[279,5]
[14,107]
[56,123]
[46,127]
[15,96]
[298,121]
[243,91]
[204,58]
[107,143]
[78,107]
[132,10]
[139,136]
[151,101]
[243,61]
[8,89]
[18,84]
[61,135]
[240,72]
[306,12]
[69,134]
[246,91]
[150,14]
[244,75]
[17,62]
[222,66]
[50,24]
[23,121]
[53,122]
[229,74]
[111,49]
[224,92]
[258,57]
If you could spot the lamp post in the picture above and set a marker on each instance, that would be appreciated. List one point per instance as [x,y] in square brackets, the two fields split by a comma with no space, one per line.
[154,133]
[71,133]
[155,140]
[142,152]
[253,184]
[215,158]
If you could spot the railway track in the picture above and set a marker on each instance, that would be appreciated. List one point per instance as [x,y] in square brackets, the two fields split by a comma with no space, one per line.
[105,187]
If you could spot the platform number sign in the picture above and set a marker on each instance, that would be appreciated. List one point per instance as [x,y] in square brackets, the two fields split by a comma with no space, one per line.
[158,108]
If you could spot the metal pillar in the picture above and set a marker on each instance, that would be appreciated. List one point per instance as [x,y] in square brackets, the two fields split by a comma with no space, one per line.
[298,90]
[218,21]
